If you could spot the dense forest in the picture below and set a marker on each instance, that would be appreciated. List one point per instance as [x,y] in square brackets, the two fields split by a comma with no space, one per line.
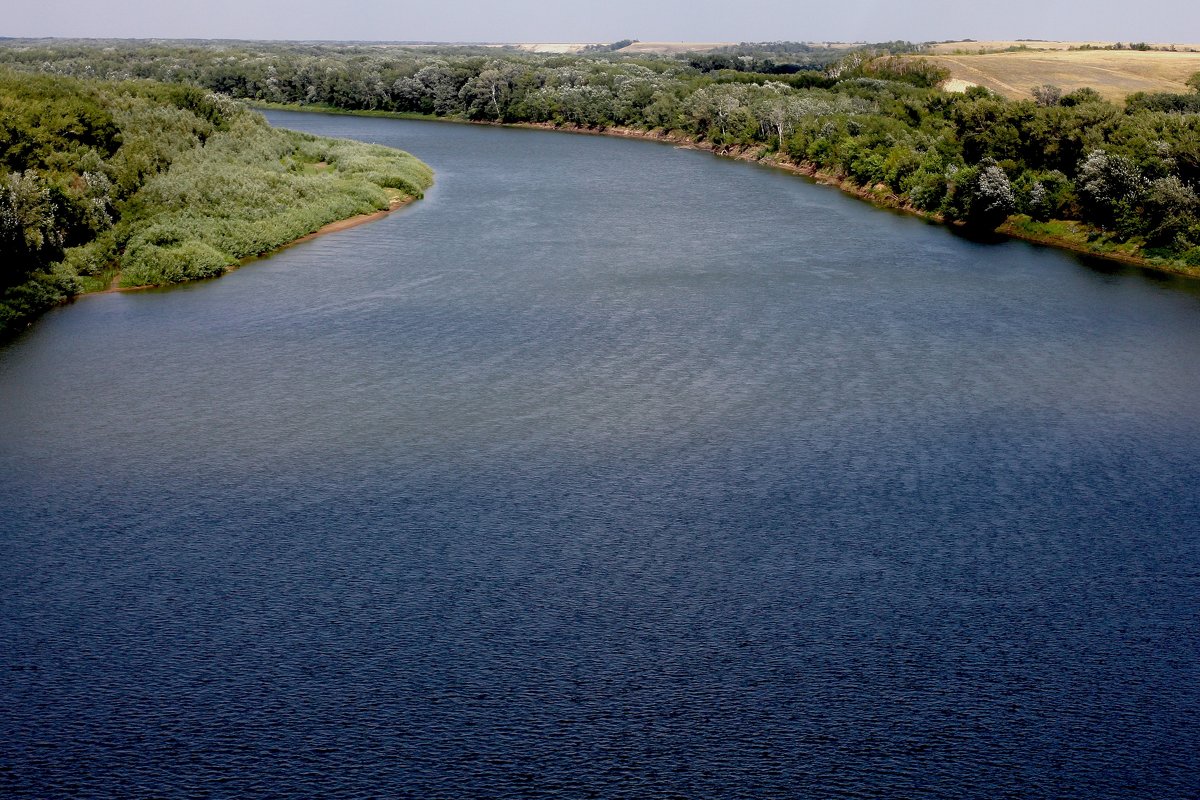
[137,182]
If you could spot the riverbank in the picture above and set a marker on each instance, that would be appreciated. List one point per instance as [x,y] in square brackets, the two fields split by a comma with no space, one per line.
[222,187]
[1070,235]
[397,202]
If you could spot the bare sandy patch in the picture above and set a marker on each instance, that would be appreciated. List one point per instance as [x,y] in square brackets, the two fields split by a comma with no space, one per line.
[957,85]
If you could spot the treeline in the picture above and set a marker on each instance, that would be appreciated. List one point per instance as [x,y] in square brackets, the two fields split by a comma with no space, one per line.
[1127,175]
[715,62]
[786,58]
[151,183]
[443,80]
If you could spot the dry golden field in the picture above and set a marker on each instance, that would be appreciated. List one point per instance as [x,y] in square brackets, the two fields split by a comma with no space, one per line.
[664,48]
[673,48]
[552,47]
[994,45]
[1113,73]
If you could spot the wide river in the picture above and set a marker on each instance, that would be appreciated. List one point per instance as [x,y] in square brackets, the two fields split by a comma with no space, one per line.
[607,470]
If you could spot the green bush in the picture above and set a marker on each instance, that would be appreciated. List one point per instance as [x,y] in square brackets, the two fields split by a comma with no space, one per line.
[980,196]
[1045,195]
[151,264]
[21,303]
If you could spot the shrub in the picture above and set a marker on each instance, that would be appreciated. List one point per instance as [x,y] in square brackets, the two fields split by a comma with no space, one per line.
[926,189]
[981,196]
[149,264]
[1110,188]
[1171,213]
[1045,195]
[1047,95]
[1080,97]
[31,234]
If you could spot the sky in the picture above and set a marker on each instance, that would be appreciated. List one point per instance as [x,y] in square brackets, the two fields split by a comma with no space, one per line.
[607,20]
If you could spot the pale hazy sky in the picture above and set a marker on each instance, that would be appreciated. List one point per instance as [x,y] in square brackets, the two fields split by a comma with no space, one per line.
[578,21]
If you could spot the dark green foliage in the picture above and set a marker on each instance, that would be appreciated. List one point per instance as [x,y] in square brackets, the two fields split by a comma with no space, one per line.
[1183,149]
[1164,102]
[31,235]
[1045,195]
[1081,96]
[24,301]
[980,196]
[716,62]
[1171,214]
[48,128]
[989,128]
[620,44]
[1111,187]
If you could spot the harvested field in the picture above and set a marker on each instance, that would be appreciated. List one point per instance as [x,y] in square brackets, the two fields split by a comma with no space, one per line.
[995,45]
[1113,73]
[552,47]
[671,48]
[674,48]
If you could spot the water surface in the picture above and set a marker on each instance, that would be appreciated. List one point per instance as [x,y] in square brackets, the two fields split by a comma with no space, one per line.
[613,470]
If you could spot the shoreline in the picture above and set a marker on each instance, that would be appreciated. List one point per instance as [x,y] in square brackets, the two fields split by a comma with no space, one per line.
[394,204]
[759,154]
[879,196]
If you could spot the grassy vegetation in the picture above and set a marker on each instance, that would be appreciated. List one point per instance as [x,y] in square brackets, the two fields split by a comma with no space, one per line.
[1074,235]
[142,183]
[249,190]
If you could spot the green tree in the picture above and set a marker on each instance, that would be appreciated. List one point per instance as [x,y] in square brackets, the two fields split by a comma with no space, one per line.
[1171,212]
[1110,190]
[30,235]
[981,196]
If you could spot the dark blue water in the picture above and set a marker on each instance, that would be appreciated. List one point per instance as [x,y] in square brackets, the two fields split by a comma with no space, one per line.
[608,470]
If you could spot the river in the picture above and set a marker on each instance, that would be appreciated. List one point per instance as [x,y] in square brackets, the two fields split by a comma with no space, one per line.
[608,469]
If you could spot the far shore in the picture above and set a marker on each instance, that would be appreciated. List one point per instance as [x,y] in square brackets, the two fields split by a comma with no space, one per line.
[760,154]
[332,227]
[878,196]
